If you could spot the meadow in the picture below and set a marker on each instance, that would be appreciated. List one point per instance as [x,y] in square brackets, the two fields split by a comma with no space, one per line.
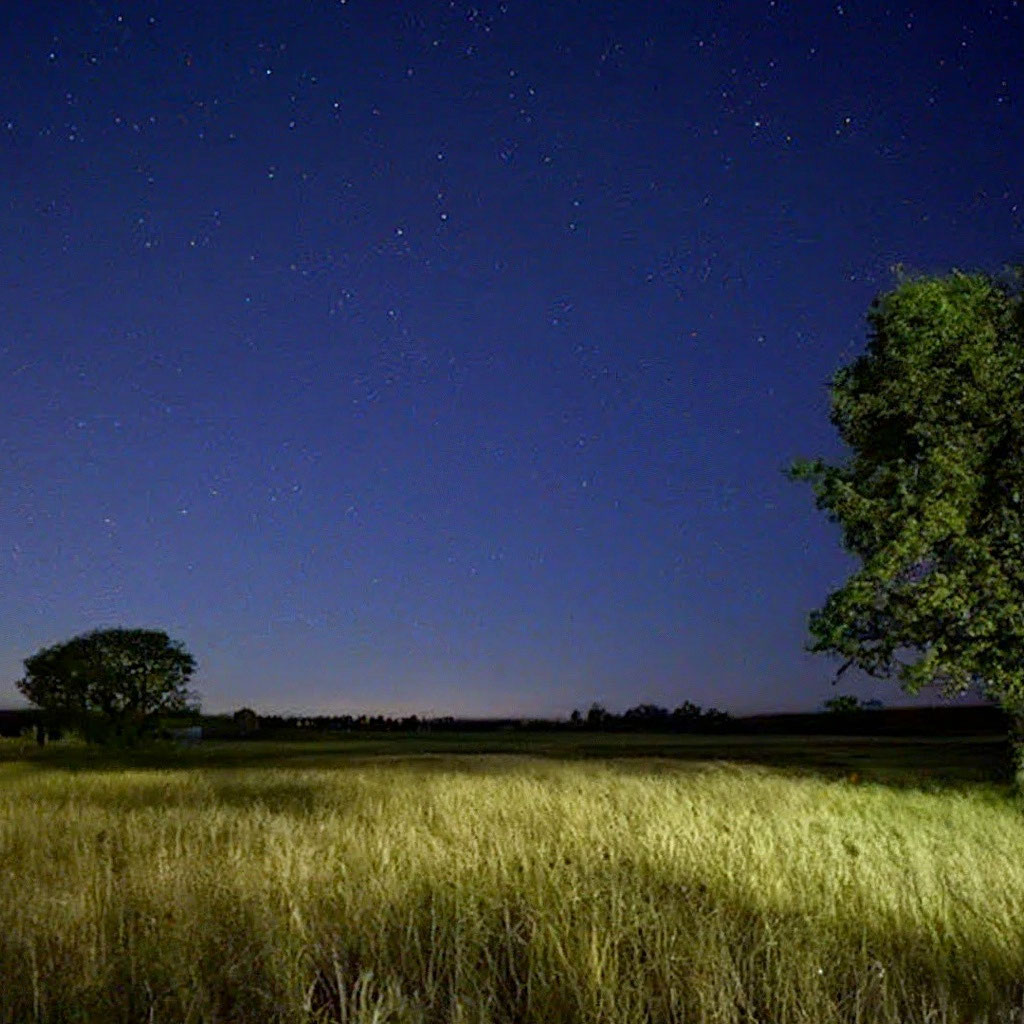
[512,878]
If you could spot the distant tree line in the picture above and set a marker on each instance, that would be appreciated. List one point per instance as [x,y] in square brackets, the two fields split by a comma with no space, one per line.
[248,722]
[953,720]
[688,717]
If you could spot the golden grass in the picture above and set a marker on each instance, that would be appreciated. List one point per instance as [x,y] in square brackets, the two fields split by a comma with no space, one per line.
[504,889]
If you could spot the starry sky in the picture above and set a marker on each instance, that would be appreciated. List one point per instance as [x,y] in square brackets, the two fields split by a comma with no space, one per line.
[444,357]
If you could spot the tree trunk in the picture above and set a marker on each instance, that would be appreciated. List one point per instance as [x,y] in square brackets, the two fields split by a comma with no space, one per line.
[1016,744]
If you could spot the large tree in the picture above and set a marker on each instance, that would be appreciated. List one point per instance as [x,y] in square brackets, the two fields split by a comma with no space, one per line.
[931,498]
[124,678]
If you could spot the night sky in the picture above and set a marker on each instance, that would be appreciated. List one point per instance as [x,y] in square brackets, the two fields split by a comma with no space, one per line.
[444,357]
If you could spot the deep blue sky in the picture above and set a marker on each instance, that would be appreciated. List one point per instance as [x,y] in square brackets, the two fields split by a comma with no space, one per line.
[434,357]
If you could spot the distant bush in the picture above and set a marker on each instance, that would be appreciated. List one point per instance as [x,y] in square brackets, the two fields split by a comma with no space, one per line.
[847,703]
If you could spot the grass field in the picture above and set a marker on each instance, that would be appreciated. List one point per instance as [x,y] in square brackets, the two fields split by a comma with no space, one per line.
[512,878]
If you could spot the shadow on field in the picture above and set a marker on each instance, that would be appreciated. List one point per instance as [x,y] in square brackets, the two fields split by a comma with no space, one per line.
[902,762]
[686,936]
[672,947]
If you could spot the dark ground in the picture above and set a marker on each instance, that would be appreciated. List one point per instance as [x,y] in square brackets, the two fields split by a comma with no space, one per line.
[891,760]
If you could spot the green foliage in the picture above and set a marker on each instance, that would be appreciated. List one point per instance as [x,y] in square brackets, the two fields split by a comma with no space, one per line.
[931,498]
[843,704]
[846,703]
[119,679]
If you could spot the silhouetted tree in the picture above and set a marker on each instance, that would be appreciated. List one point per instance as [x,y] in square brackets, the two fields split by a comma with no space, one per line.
[713,719]
[647,713]
[126,678]
[247,720]
[932,499]
[646,716]
[597,716]
[687,716]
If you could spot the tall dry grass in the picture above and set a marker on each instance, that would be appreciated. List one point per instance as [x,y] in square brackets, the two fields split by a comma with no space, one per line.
[502,889]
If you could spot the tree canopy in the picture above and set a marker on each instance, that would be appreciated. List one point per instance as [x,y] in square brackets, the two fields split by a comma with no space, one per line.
[931,498]
[126,678]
